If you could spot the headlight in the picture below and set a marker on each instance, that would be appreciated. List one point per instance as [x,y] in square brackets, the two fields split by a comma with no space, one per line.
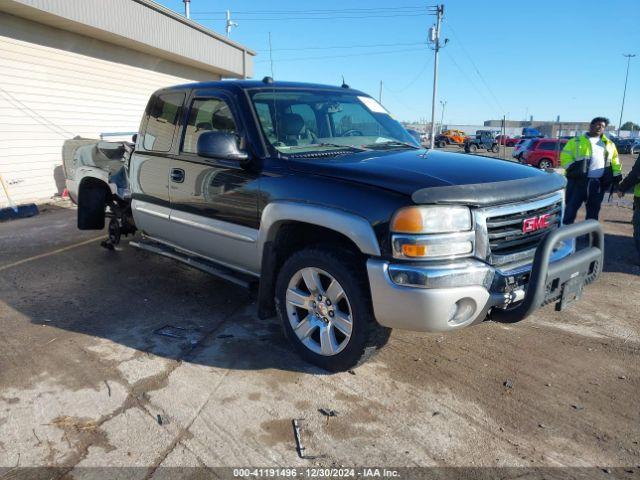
[432,232]
[433,246]
[431,219]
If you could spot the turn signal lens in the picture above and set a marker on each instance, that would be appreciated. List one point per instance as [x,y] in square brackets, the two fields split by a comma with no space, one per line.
[407,220]
[414,250]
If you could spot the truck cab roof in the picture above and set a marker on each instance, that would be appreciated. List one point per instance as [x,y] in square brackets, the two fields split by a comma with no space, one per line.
[235,85]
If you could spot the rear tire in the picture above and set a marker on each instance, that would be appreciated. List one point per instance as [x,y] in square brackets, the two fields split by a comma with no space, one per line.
[323,301]
[495,148]
[471,148]
[441,144]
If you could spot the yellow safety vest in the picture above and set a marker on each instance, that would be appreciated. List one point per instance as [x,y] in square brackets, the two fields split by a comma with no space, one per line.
[573,151]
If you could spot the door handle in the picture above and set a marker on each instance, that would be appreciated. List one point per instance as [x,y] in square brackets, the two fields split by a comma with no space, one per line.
[177,175]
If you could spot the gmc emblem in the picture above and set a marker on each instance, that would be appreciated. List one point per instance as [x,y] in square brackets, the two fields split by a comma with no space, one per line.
[536,223]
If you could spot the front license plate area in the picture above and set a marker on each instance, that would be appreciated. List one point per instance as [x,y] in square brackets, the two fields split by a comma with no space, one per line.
[571,291]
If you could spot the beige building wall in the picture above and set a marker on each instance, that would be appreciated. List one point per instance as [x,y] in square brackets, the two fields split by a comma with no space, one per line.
[55,85]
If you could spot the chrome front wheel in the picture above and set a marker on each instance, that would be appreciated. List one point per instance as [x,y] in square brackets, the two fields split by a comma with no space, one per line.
[324,304]
[319,311]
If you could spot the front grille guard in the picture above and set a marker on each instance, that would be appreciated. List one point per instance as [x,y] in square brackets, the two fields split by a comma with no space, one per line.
[547,281]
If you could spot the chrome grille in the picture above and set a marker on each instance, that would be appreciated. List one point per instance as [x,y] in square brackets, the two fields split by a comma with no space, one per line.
[506,235]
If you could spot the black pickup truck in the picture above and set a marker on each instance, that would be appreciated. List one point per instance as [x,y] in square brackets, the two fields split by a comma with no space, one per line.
[348,228]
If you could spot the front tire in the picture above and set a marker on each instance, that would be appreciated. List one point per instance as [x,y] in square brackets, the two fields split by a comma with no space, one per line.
[545,163]
[495,148]
[472,148]
[323,302]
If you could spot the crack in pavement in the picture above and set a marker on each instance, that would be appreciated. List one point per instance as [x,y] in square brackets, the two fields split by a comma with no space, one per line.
[137,398]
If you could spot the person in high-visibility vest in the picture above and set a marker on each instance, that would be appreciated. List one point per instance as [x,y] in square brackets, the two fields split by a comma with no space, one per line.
[591,165]
[633,180]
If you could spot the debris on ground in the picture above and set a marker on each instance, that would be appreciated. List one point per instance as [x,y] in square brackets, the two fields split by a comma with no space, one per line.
[508,383]
[435,413]
[351,372]
[328,412]
[225,335]
[296,433]
[577,407]
[108,388]
[299,446]
[159,418]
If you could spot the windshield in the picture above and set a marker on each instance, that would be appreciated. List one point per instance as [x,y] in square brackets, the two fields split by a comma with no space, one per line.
[297,122]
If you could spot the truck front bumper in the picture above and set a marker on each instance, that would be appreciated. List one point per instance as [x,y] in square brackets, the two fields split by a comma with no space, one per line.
[439,298]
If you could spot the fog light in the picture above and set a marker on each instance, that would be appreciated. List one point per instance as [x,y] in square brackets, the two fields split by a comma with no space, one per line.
[401,278]
[462,311]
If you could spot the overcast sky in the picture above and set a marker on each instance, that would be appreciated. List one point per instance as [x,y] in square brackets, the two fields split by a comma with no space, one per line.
[542,58]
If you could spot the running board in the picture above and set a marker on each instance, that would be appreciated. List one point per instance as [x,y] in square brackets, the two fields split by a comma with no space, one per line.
[201,264]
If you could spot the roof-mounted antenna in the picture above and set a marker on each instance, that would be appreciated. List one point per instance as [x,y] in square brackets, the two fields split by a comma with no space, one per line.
[344,85]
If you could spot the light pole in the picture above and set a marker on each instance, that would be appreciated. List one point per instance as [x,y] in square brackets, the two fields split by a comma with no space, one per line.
[624,94]
[444,104]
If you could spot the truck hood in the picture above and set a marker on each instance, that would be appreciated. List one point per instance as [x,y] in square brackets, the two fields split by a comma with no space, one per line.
[431,176]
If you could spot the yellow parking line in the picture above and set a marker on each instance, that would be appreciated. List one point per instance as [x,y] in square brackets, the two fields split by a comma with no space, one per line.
[54,252]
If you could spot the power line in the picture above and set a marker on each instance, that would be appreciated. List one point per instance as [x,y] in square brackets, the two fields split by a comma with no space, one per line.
[477,70]
[337,47]
[317,11]
[358,17]
[415,79]
[473,84]
[323,57]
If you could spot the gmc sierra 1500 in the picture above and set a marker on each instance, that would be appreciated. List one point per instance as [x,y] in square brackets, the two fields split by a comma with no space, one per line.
[348,227]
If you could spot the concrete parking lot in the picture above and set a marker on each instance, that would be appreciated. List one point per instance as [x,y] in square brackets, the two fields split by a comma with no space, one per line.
[128,359]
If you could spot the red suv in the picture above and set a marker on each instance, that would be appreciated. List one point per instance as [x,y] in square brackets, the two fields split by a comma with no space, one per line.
[544,152]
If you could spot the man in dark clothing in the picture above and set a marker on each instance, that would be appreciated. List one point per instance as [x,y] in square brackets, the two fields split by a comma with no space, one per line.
[633,180]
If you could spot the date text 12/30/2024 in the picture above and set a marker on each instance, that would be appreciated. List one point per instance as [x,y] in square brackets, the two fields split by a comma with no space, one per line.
[316,472]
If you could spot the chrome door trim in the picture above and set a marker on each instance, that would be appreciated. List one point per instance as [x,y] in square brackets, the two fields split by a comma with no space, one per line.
[151,209]
[218,227]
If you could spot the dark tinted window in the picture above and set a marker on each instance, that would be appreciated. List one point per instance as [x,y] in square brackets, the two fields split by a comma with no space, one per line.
[207,115]
[163,112]
[549,146]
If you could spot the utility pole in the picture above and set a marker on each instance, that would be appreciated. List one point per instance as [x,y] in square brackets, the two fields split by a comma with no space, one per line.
[229,23]
[187,13]
[504,136]
[380,94]
[444,104]
[434,38]
[629,57]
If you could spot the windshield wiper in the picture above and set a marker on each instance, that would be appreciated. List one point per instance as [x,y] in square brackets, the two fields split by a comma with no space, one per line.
[343,147]
[391,144]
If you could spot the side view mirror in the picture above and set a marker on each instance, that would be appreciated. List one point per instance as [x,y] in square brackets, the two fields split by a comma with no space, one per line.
[221,145]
